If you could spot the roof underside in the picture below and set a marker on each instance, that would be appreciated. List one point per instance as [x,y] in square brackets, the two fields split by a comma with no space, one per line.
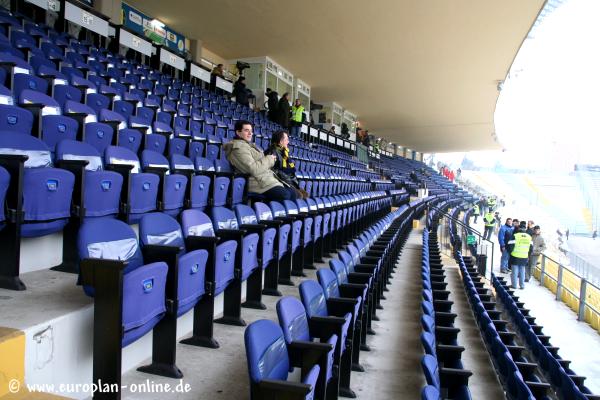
[422,74]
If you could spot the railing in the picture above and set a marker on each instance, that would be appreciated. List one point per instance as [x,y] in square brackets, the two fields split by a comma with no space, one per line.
[580,295]
[464,230]
[585,269]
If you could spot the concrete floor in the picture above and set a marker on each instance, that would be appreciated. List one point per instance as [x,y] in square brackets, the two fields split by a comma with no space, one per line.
[484,383]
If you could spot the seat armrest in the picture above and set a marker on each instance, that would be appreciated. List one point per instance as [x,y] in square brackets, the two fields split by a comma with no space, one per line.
[201,242]
[352,290]
[452,377]
[274,389]
[231,234]
[253,228]
[271,223]
[341,306]
[91,267]
[359,277]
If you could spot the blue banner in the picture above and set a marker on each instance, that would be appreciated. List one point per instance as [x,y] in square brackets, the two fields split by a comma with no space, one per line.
[139,22]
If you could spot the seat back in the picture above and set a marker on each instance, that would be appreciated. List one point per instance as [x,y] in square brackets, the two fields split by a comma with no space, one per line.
[245,214]
[154,159]
[292,319]
[109,239]
[161,229]
[223,218]
[98,135]
[430,393]
[430,370]
[130,139]
[428,342]
[339,269]
[122,156]
[313,299]
[266,351]
[74,150]
[35,149]
[277,209]
[56,128]
[196,223]
[15,119]
[328,281]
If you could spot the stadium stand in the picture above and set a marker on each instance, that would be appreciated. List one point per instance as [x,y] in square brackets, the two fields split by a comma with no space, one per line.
[123,159]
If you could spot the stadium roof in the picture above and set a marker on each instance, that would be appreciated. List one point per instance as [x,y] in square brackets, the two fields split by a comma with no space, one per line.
[423,74]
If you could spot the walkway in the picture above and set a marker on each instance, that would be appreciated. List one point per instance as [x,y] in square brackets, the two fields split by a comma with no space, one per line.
[484,383]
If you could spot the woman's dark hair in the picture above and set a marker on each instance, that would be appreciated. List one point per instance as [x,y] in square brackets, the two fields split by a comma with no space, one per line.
[239,124]
[277,136]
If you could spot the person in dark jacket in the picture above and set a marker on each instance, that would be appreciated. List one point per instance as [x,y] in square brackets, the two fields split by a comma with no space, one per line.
[284,168]
[241,92]
[272,102]
[520,247]
[283,111]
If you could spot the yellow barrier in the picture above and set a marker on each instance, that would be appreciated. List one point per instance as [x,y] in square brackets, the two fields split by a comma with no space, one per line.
[571,289]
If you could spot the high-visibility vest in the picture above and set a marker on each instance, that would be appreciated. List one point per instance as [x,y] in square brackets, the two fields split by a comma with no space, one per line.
[476,209]
[522,244]
[297,113]
[489,219]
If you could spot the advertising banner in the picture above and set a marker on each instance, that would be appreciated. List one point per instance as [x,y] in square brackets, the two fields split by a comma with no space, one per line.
[141,23]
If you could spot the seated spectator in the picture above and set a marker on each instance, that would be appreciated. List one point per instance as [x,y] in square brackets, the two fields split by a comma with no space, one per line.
[245,157]
[284,168]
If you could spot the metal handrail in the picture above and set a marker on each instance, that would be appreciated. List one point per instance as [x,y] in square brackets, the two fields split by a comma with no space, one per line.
[584,283]
[469,230]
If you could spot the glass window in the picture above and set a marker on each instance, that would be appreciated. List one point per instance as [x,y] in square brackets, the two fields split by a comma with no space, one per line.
[272,82]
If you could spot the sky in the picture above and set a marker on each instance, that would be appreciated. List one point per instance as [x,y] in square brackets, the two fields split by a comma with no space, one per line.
[547,115]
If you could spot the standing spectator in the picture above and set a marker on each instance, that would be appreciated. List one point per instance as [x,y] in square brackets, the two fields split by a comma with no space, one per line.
[297,117]
[476,212]
[451,176]
[506,229]
[539,245]
[490,221]
[283,111]
[245,157]
[345,131]
[567,233]
[272,100]
[520,247]
[508,235]
[240,92]
[594,235]
[217,71]
[530,227]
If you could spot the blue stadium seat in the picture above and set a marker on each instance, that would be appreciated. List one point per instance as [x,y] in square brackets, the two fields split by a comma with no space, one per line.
[294,324]
[269,364]
[163,240]
[351,297]
[172,187]
[267,255]
[15,119]
[140,190]
[129,294]
[339,321]
[227,227]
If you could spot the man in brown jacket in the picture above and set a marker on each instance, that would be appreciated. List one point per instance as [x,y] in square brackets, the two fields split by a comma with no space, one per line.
[246,158]
[539,245]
